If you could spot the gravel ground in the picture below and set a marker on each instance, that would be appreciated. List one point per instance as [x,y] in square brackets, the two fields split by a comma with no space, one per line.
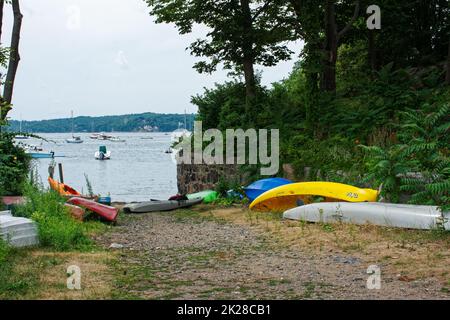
[183,256]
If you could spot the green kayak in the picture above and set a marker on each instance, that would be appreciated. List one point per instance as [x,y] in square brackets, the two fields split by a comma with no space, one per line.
[208,196]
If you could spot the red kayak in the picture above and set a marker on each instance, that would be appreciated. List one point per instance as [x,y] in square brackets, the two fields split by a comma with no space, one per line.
[109,213]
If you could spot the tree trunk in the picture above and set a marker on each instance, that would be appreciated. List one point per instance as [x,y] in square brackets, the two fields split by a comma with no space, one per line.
[14,54]
[447,78]
[2,4]
[247,48]
[330,48]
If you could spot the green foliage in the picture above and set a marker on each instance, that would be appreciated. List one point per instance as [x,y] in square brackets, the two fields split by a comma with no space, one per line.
[5,251]
[57,229]
[428,140]
[234,34]
[89,186]
[14,166]
[386,167]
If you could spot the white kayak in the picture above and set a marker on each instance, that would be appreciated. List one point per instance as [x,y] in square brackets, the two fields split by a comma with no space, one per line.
[376,213]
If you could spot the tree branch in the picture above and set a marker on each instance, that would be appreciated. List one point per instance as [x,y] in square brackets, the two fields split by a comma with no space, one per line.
[261,10]
[349,25]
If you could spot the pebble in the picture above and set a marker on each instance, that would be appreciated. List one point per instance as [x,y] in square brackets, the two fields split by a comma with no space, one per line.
[116,246]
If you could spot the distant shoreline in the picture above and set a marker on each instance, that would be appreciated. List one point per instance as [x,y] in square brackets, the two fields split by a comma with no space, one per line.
[144,122]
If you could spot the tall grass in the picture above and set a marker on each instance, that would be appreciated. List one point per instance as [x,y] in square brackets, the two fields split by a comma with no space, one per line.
[57,229]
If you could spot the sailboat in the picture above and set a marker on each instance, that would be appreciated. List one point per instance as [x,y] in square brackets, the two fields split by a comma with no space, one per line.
[20,137]
[74,138]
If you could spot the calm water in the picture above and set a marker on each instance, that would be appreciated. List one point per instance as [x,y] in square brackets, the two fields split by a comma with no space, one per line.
[138,170]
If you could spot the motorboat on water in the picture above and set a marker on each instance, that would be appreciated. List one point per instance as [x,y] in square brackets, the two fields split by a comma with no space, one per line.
[116,139]
[40,154]
[75,140]
[103,136]
[103,154]
[37,152]
[20,137]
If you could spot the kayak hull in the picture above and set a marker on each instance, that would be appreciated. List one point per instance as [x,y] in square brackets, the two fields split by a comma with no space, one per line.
[296,194]
[63,189]
[257,188]
[106,212]
[207,196]
[380,214]
[158,206]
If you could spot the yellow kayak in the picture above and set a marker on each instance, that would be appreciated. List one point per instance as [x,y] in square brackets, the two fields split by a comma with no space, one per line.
[296,194]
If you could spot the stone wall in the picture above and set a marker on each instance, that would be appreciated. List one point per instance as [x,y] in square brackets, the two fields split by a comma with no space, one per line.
[192,178]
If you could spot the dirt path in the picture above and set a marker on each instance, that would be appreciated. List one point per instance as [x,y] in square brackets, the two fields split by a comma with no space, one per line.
[187,255]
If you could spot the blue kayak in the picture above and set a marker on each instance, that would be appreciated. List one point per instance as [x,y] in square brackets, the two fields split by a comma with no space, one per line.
[259,187]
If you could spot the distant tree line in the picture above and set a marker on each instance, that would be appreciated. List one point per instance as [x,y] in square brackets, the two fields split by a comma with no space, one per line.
[124,123]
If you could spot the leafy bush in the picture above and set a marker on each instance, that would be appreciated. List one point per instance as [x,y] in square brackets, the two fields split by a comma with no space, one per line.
[57,229]
[428,137]
[14,166]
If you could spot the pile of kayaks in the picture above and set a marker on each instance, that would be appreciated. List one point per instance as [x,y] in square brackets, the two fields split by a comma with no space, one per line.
[336,202]
[78,205]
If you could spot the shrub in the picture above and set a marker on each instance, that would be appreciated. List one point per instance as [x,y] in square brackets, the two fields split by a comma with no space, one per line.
[14,166]
[57,229]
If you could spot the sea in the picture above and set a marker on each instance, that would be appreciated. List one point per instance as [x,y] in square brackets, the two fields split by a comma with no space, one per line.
[139,168]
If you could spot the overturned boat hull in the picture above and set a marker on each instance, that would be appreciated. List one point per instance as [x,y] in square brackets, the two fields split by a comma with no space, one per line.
[207,196]
[18,232]
[297,194]
[156,205]
[380,214]
[106,212]
[63,189]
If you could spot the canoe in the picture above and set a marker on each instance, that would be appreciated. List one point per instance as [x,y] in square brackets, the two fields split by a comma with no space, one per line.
[296,194]
[380,214]
[207,196]
[259,187]
[106,212]
[63,189]
[157,206]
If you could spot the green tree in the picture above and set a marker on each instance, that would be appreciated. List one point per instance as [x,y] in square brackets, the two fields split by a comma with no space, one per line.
[241,33]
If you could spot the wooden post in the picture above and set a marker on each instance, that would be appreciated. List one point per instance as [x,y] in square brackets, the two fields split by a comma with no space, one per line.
[51,171]
[61,176]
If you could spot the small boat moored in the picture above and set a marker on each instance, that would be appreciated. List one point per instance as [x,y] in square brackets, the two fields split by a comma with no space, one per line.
[74,140]
[103,154]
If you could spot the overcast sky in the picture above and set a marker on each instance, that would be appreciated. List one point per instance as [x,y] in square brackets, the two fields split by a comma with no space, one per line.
[110,59]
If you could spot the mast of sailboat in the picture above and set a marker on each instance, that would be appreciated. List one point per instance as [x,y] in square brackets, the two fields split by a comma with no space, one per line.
[71,116]
[185,120]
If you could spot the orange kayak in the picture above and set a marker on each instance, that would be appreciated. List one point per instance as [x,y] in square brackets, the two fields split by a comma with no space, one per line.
[63,189]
